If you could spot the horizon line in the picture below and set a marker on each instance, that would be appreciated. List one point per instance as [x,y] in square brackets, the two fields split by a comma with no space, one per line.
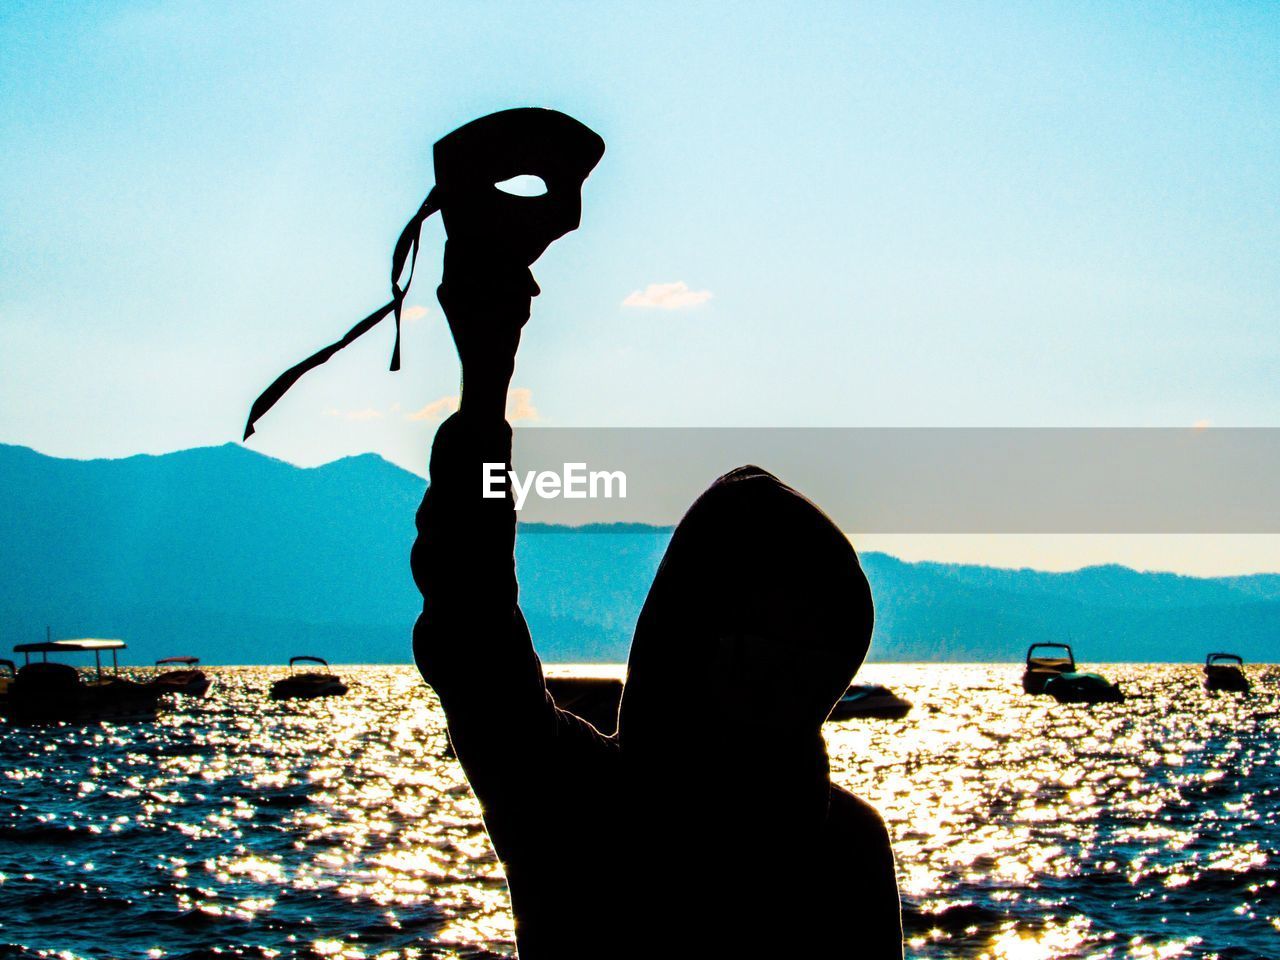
[595,527]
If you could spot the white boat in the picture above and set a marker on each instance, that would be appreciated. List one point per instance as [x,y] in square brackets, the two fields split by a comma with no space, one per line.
[6,680]
[594,699]
[1043,667]
[1076,687]
[308,684]
[870,700]
[46,691]
[186,677]
[1225,671]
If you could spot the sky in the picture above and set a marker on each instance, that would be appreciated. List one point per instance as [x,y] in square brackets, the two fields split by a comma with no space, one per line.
[896,214]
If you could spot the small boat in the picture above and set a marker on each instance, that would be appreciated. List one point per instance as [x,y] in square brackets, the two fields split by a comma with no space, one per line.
[187,678]
[594,699]
[870,700]
[1224,671]
[6,680]
[46,691]
[1041,668]
[308,684]
[1073,687]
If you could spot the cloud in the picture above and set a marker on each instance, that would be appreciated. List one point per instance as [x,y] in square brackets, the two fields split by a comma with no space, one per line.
[411,314]
[520,405]
[667,296]
[435,410]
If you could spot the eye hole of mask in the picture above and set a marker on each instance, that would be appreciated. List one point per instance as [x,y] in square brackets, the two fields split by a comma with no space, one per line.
[525,185]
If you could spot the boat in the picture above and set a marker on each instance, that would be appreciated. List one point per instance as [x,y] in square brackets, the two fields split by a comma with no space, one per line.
[1225,671]
[186,678]
[1041,668]
[870,700]
[309,683]
[1076,687]
[6,680]
[46,691]
[594,699]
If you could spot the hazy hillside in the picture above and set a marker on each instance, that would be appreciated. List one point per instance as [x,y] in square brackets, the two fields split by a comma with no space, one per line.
[240,558]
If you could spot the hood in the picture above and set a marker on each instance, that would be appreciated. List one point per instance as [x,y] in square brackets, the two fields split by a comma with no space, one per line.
[759,611]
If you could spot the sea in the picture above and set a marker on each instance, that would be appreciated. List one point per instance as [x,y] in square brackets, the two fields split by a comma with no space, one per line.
[236,826]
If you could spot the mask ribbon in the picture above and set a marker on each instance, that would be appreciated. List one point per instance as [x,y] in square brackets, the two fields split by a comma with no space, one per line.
[406,251]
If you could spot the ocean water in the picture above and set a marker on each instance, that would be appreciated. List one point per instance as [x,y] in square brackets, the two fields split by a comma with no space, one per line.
[1023,829]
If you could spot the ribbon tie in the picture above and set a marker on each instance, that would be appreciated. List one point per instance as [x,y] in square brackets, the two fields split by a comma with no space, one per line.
[406,251]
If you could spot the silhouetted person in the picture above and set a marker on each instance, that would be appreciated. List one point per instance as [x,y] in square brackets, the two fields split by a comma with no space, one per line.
[708,826]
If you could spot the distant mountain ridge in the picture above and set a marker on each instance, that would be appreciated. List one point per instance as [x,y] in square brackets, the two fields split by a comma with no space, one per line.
[239,558]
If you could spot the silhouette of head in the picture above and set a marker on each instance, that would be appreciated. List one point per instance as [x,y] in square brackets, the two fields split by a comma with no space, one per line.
[759,612]
[527,141]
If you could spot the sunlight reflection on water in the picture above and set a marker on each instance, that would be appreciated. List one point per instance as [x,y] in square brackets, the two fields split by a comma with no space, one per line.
[343,828]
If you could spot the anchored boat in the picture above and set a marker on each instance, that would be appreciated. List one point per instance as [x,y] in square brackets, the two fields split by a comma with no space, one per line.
[1225,671]
[870,700]
[1076,687]
[594,699]
[46,691]
[1043,667]
[6,680]
[186,677]
[308,684]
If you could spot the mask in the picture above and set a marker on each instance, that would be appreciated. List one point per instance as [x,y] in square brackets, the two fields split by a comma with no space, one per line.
[469,163]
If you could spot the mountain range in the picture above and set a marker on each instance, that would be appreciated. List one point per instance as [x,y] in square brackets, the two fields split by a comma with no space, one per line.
[235,557]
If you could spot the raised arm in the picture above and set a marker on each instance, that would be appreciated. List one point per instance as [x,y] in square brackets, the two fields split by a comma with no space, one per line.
[471,642]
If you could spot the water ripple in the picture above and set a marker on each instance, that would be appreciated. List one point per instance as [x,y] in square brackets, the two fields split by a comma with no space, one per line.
[1024,829]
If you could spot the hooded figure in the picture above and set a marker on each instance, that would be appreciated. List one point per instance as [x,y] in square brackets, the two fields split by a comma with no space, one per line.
[759,602]
[707,825]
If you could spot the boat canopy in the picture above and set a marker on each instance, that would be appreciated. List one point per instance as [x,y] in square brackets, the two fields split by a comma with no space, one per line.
[1218,659]
[87,645]
[190,661]
[1049,646]
[319,660]
[1050,656]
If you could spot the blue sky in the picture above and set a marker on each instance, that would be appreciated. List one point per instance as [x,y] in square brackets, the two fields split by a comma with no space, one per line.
[893,214]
